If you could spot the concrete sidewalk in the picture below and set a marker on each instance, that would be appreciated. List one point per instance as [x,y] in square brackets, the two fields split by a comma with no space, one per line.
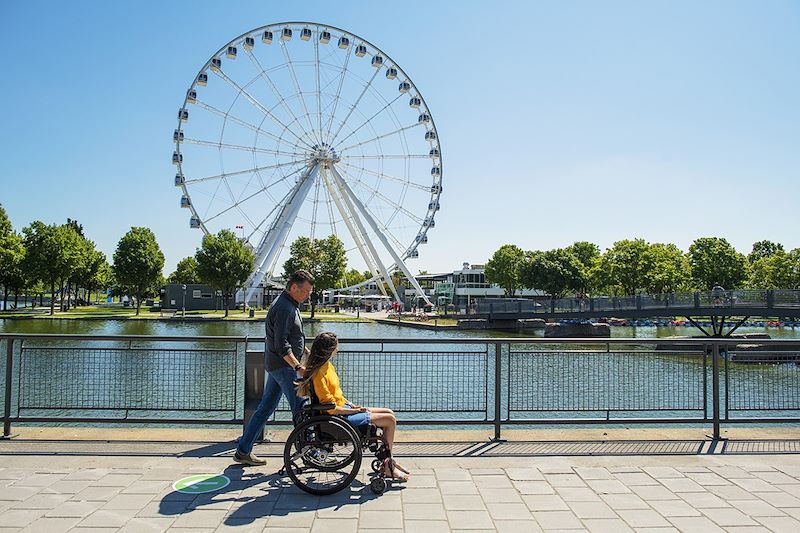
[96,487]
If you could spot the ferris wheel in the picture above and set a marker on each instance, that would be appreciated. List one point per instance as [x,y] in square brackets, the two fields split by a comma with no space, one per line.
[303,129]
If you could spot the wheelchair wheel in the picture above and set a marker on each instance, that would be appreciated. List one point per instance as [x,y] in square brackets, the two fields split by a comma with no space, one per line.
[377,485]
[322,455]
[377,464]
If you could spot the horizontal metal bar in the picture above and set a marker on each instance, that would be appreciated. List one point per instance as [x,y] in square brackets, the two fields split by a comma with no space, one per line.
[601,410]
[577,421]
[231,421]
[96,408]
[505,340]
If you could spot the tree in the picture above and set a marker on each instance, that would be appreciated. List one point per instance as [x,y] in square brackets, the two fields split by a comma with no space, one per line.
[556,272]
[779,270]
[224,263]
[12,254]
[763,249]
[668,269]
[53,254]
[623,267]
[138,261]
[503,268]
[185,272]
[324,258]
[96,273]
[588,255]
[714,261]
[354,277]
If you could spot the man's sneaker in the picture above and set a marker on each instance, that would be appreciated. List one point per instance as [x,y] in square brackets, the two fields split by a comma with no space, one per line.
[249,459]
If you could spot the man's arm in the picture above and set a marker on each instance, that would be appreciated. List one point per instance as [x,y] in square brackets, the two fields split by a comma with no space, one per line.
[282,342]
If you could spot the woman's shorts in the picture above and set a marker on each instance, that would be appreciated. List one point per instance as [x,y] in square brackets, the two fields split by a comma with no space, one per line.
[358,419]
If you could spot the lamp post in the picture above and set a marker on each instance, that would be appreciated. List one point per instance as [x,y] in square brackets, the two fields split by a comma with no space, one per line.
[183,308]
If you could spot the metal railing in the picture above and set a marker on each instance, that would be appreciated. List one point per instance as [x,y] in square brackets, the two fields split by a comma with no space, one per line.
[84,379]
[779,301]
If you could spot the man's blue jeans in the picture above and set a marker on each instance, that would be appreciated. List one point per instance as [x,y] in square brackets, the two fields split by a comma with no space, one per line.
[278,381]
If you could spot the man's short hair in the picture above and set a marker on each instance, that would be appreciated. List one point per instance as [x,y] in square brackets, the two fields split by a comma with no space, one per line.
[299,277]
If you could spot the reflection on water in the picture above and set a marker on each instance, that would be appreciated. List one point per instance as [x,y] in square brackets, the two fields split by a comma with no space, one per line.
[351,330]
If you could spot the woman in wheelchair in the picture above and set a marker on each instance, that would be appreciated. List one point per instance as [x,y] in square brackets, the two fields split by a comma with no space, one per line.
[321,379]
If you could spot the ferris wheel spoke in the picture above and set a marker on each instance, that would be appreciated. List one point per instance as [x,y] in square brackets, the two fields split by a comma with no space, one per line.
[246,171]
[299,90]
[338,91]
[387,156]
[257,227]
[426,188]
[386,199]
[314,208]
[241,147]
[276,92]
[319,96]
[381,110]
[379,137]
[245,124]
[353,107]
[250,196]
[258,105]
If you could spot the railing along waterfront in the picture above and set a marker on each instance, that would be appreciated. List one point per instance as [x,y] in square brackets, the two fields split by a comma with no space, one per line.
[85,379]
[778,302]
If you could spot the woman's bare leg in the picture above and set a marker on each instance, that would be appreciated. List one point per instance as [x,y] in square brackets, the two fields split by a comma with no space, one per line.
[385,419]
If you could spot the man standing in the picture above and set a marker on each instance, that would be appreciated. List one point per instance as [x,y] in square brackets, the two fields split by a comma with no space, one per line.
[285,345]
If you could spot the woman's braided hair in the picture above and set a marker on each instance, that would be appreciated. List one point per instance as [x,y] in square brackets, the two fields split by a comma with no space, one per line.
[321,351]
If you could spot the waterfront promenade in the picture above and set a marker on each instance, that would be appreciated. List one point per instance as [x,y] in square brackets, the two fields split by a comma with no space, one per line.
[692,484]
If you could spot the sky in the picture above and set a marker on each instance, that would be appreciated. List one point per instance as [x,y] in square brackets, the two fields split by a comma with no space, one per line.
[559,121]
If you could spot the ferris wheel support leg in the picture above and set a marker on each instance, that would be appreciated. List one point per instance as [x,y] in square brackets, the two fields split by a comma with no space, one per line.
[348,220]
[371,221]
[279,230]
[349,214]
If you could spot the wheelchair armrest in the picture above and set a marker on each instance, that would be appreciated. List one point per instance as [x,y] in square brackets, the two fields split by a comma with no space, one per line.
[322,406]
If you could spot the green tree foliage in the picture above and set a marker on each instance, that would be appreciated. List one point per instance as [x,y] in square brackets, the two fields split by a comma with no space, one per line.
[354,277]
[623,268]
[667,269]
[324,258]
[185,272]
[588,255]
[96,273]
[779,270]
[12,254]
[763,249]
[54,254]
[503,268]
[714,261]
[224,263]
[555,272]
[138,261]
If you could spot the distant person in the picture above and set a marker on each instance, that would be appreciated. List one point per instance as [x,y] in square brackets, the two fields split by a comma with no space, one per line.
[717,294]
[283,351]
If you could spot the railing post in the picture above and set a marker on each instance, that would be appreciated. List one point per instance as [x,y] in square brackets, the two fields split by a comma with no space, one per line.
[591,304]
[697,300]
[552,305]
[770,299]
[497,377]
[715,389]
[638,302]
[254,382]
[7,405]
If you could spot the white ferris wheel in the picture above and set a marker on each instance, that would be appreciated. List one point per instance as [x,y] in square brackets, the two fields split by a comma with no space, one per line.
[304,129]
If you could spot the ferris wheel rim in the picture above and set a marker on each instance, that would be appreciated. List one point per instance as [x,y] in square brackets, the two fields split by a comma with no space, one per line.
[435,192]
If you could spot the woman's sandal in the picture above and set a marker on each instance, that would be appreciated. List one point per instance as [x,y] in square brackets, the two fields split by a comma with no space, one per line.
[401,468]
[388,471]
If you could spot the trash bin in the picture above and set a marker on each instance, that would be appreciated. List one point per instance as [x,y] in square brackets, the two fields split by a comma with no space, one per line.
[252,312]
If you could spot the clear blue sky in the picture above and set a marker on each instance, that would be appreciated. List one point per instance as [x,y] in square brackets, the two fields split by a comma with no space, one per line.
[559,121]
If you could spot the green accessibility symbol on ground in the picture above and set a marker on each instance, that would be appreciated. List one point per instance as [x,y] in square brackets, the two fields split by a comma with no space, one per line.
[201,483]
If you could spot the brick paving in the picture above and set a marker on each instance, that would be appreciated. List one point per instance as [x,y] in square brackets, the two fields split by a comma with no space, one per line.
[93,492]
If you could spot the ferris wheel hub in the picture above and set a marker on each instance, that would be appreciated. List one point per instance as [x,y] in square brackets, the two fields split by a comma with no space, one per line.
[324,155]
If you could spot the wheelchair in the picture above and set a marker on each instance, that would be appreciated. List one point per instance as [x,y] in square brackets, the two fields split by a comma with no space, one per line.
[323,453]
